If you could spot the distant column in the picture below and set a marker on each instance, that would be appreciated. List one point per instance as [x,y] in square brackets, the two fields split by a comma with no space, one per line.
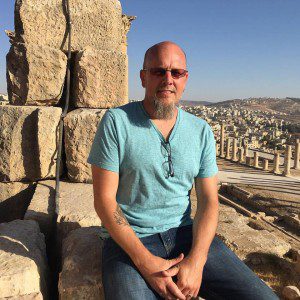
[217,149]
[241,155]
[265,164]
[287,160]
[255,163]
[228,148]
[222,141]
[248,160]
[246,150]
[297,155]
[276,163]
[234,150]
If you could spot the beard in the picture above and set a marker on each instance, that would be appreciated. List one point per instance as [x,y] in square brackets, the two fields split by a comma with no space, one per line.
[163,111]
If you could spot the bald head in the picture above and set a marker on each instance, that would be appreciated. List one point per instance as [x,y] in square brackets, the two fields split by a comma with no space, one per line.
[155,49]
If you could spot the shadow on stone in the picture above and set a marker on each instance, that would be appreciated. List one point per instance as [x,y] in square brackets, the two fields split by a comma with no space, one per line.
[15,206]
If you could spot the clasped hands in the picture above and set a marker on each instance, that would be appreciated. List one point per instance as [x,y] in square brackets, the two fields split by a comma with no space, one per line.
[159,272]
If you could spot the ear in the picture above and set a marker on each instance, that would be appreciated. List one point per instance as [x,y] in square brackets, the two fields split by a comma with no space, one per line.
[143,78]
[186,75]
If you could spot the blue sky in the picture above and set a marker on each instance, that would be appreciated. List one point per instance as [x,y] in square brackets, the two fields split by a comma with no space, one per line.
[235,48]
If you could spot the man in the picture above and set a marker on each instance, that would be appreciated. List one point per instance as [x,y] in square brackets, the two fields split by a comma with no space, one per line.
[145,158]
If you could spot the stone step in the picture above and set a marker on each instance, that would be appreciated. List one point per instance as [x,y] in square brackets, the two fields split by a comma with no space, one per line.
[76,208]
[80,277]
[24,272]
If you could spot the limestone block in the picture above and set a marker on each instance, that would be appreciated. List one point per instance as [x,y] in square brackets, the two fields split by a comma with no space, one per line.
[101,79]
[14,200]
[23,262]
[291,292]
[35,74]
[81,276]
[94,22]
[243,239]
[76,208]
[297,266]
[80,127]
[42,207]
[28,142]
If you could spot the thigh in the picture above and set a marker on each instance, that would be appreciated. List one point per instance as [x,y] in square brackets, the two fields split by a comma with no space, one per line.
[121,279]
[225,276]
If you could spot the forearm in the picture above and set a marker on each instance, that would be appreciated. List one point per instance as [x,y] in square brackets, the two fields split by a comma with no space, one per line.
[119,229]
[204,229]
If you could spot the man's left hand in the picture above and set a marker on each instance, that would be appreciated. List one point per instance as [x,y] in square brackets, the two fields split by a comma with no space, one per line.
[189,276]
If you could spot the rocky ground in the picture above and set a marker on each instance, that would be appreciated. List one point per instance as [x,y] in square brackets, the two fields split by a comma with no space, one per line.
[55,250]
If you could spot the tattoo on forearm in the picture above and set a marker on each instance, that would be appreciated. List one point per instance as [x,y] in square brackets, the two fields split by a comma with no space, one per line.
[119,217]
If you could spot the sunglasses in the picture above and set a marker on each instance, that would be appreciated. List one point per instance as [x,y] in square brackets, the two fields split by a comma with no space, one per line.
[161,72]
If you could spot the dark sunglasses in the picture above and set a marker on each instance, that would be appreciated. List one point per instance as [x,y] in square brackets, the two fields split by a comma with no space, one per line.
[160,72]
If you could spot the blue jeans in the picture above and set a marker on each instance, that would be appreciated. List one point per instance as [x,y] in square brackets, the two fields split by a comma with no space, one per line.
[225,276]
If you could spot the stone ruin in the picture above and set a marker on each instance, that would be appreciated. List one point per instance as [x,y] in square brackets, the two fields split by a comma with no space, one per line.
[229,150]
[35,245]
[52,249]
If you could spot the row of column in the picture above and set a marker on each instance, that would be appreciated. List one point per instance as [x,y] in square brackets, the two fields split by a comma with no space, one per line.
[241,155]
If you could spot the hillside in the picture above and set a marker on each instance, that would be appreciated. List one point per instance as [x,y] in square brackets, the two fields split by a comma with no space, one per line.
[286,108]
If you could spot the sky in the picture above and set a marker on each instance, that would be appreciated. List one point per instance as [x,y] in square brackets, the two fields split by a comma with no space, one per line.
[235,48]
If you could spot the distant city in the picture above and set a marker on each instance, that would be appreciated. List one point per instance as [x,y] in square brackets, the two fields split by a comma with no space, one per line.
[266,124]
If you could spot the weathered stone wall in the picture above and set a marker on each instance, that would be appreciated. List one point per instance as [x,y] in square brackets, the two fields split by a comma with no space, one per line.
[101,79]
[95,23]
[81,276]
[35,74]
[23,262]
[80,127]
[14,200]
[28,142]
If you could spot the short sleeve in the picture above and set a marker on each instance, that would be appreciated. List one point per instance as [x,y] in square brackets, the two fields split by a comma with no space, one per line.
[208,162]
[104,152]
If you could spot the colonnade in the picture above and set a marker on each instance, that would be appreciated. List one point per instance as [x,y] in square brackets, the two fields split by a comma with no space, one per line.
[228,149]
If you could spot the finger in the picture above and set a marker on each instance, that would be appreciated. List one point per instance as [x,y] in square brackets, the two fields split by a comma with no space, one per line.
[186,292]
[171,272]
[175,260]
[174,290]
[182,285]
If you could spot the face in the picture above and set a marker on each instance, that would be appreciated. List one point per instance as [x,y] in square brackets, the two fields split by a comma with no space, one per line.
[162,93]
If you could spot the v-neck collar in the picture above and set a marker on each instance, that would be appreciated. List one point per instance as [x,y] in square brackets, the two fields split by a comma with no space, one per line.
[155,127]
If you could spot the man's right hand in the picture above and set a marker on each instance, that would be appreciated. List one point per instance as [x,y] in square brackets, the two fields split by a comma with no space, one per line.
[164,286]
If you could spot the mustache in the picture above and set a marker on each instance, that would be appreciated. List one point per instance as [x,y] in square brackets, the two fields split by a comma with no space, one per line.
[165,89]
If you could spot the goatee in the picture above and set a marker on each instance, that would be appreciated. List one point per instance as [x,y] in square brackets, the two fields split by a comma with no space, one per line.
[163,111]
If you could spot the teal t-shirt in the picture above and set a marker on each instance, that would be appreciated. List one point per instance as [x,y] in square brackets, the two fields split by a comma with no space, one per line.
[129,143]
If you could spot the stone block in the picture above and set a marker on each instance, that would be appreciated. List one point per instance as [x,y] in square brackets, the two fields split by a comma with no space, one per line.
[233,229]
[28,142]
[76,208]
[24,272]
[101,79]
[97,23]
[80,127]
[81,276]
[42,208]
[291,293]
[35,74]
[14,200]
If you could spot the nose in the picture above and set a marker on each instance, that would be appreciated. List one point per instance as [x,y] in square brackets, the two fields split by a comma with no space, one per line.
[168,79]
